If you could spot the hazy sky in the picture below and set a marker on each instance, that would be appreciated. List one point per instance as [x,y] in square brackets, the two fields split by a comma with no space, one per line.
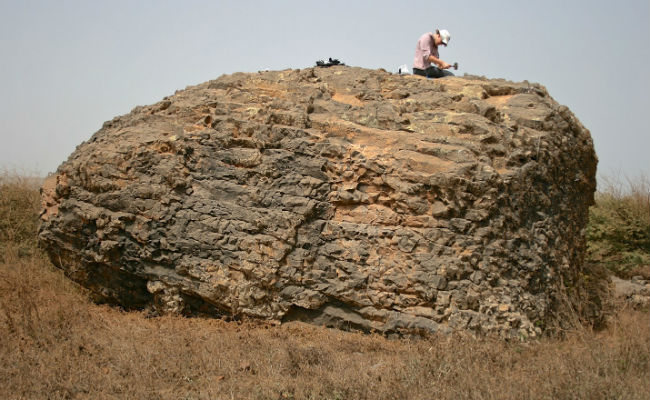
[67,66]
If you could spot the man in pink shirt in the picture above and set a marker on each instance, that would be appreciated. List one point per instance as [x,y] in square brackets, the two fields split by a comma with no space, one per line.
[426,53]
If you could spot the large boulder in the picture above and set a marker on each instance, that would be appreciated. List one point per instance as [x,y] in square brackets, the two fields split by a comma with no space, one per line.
[340,196]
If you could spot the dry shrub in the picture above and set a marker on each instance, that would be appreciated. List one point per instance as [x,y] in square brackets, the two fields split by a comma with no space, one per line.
[56,344]
[19,208]
[618,232]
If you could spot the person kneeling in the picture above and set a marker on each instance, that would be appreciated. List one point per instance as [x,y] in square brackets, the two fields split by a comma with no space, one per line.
[426,54]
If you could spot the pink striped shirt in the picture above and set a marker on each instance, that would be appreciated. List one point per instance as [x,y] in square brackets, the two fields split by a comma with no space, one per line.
[426,47]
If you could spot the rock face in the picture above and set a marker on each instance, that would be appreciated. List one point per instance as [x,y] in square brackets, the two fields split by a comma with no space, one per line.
[339,196]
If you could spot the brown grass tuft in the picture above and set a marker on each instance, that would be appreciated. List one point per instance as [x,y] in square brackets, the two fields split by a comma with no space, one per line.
[19,206]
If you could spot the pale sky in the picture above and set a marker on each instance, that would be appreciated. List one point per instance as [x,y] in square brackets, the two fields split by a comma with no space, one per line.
[69,65]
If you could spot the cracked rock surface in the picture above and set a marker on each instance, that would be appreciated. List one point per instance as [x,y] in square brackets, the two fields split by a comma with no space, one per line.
[339,196]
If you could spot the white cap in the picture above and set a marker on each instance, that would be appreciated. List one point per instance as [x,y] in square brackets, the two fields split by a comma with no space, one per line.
[445,36]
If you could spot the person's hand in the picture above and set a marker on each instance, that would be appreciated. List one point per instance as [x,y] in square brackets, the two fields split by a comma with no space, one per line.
[445,65]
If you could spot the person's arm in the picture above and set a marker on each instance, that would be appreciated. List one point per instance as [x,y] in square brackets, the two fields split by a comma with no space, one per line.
[441,64]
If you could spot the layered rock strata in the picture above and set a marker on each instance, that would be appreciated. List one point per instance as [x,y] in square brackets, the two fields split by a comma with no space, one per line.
[339,196]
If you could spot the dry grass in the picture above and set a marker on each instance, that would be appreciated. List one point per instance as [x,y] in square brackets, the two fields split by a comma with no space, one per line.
[56,344]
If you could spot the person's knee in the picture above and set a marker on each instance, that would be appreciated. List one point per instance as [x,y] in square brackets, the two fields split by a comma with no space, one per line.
[434,72]
[420,72]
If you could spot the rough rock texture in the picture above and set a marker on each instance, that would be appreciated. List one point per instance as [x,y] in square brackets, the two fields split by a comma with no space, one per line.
[634,292]
[338,196]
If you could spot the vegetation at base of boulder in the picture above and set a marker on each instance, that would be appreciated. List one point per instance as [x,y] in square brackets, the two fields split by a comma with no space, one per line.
[20,204]
[618,233]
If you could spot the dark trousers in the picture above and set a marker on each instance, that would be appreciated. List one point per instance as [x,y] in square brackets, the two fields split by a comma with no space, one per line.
[431,72]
